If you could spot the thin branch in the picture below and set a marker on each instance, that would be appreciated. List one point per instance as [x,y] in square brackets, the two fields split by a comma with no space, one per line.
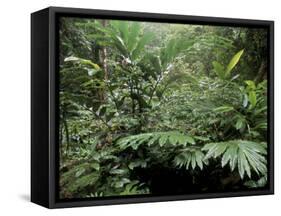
[98,117]
[154,88]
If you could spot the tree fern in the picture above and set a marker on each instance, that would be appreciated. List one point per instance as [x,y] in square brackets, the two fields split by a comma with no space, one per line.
[247,156]
[190,157]
[160,138]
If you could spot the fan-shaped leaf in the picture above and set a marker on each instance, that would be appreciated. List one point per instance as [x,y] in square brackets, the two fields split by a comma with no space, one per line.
[243,154]
[190,156]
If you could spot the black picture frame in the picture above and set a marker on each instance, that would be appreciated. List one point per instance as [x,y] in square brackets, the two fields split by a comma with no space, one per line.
[44,100]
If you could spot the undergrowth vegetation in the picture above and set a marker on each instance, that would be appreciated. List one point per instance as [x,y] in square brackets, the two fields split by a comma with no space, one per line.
[149,108]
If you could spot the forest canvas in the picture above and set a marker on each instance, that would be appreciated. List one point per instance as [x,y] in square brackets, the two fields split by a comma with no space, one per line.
[152,109]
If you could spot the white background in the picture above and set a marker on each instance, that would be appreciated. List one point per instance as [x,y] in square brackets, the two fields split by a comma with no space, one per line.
[15,107]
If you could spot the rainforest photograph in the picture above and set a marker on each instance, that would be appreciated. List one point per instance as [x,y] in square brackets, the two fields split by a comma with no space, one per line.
[157,109]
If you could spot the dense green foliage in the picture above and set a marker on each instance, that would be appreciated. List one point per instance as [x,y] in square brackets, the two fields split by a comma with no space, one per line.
[148,108]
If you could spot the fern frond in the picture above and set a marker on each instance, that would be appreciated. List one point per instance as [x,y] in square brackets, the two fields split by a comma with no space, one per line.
[243,154]
[160,138]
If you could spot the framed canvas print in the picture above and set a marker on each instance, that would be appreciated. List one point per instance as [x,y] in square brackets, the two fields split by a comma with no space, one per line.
[138,107]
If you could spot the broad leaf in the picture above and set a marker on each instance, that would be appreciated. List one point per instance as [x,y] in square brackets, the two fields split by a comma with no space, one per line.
[144,40]
[235,59]
[82,61]
[252,98]
[133,35]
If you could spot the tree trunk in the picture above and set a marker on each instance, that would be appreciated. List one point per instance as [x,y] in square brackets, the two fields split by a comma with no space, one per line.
[261,75]
[104,63]
[66,134]
[60,138]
